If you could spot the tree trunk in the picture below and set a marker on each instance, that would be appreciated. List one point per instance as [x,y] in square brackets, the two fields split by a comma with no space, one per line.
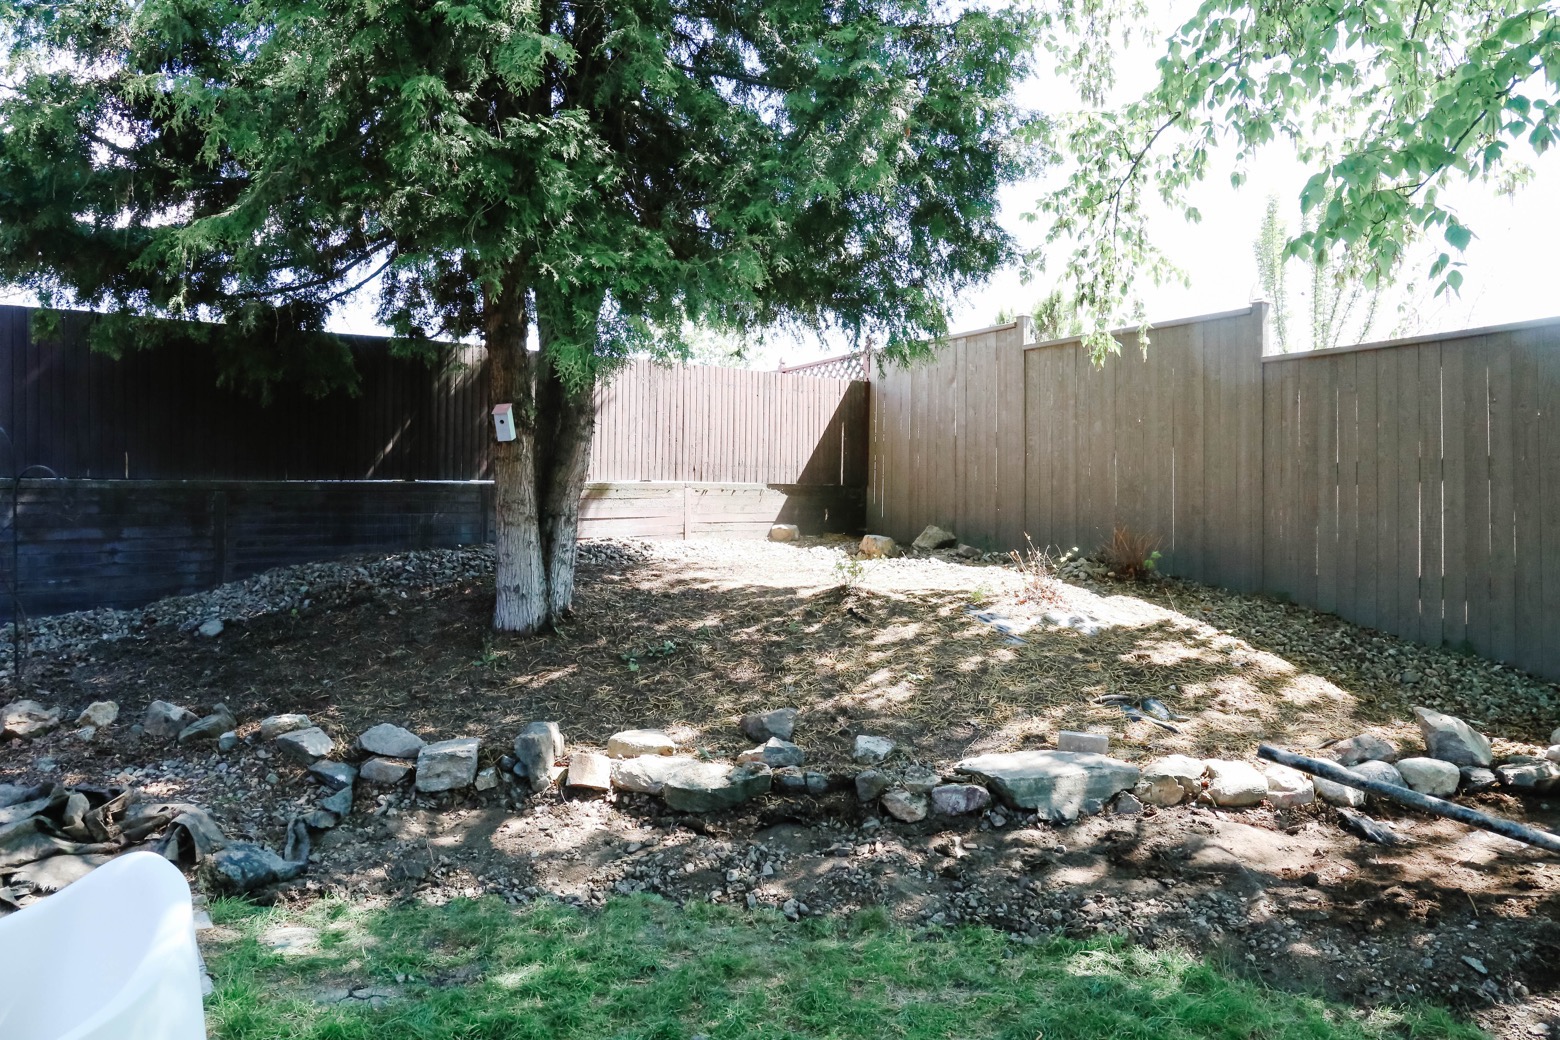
[539,476]
[571,412]
[520,577]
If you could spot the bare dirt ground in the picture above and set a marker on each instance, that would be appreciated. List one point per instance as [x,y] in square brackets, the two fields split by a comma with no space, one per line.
[687,636]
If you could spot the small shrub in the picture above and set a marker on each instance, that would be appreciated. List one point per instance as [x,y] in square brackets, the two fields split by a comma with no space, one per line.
[848,571]
[1038,572]
[1131,554]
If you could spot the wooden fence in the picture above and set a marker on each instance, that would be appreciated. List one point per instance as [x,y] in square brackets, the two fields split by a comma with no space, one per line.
[171,484]
[1410,486]
[159,415]
[121,543]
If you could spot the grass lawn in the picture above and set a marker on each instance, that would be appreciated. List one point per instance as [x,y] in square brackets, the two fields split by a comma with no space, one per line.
[643,968]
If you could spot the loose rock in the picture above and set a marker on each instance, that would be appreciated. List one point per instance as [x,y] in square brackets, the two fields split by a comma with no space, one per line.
[906,807]
[1183,771]
[1235,785]
[305,746]
[775,753]
[762,725]
[163,721]
[934,537]
[1430,776]
[333,775]
[877,546]
[386,771]
[870,750]
[340,802]
[227,741]
[390,741]
[1093,743]
[1059,785]
[98,714]
[487,779]
[646,774]
[1366,747]
[960,799]
[1529,775]
[1288,788]
[631,743]
[538,747]
[698,786]
[447,765]
[27,719]
[1338,794]
[212,628]
[1126,804]
[274,726]
[784,533]
[920,781]
[1452,740]
[211,727]
[1477,779]
[871,783]
[590,770]
[1381,772]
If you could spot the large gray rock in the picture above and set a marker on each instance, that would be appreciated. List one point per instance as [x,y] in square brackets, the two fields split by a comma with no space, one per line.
[1528,775]
[1288,788]
[537,749]
[1430,776]
[646,774]
[340,802]
[920,780]
[1364,747]
[273,726]
[163,721]
[334,775]
[390,741]
[934,537]
[960,799]
[1381,772]
[386,771]
[906,807]
[708,786]
[1338,794]
[775,753]
[1452,740]
[447,765]
[209,728]
[27,719]
[631,743]
[871,783]
[759,726]
[244,867]
[1234,784]
[1477,779]
[305,746]
[1059,785]
[98,714]
[870,751]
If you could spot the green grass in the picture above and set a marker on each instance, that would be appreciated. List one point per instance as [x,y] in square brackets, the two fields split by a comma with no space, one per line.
[642,968]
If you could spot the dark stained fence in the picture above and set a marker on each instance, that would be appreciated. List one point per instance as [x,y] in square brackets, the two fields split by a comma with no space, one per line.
[119,543]
[174,484]
[1410,486]
[159,415]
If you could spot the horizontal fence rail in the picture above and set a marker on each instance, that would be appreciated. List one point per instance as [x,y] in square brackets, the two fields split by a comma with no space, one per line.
[1412,486]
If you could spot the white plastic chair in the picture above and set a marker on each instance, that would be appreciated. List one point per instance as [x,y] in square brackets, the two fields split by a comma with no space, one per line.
[111,957]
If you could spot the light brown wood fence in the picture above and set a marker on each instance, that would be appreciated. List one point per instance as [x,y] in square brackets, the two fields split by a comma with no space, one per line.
[1410,486]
